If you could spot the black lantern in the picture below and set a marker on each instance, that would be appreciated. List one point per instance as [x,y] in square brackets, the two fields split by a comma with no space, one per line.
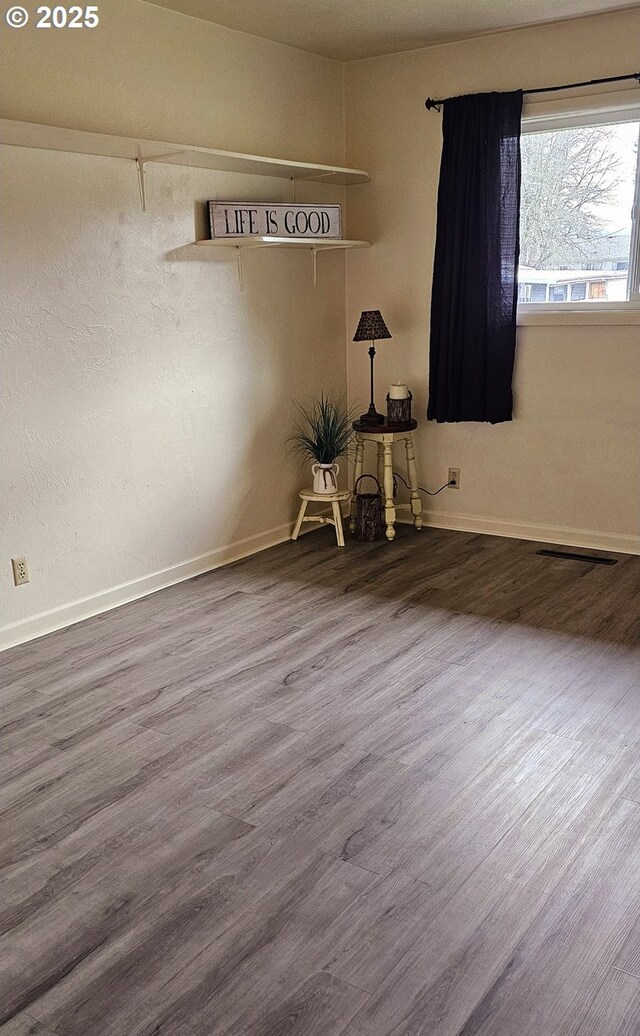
[371,327]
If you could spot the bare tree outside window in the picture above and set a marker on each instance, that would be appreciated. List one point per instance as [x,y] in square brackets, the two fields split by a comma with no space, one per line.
[575,216]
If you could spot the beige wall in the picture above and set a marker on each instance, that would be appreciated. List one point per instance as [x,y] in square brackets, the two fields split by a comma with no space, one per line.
[566,468]
[144,396]
[150,72]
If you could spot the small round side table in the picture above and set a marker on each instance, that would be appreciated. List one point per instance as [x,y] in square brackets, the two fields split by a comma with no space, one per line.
[386,435]
[335,499]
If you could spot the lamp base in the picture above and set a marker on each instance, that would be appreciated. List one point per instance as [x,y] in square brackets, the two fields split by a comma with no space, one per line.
[372,416]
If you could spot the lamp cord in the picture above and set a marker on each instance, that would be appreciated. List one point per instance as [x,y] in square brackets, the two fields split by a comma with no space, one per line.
[397,475]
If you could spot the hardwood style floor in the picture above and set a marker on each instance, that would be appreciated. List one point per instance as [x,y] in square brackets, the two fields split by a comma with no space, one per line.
[392,789]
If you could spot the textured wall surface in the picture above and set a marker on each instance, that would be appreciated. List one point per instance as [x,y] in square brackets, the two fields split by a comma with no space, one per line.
[145,398]
[569,460]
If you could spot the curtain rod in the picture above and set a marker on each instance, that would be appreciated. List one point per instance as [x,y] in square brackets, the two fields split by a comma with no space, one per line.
[430,103]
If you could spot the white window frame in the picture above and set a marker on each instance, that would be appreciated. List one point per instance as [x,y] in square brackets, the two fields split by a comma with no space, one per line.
[608,107]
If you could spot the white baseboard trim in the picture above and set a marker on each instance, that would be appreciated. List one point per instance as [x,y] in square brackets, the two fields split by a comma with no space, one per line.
[524,531]
[76,611]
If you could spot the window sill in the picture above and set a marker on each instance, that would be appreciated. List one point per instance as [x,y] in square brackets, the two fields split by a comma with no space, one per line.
[628,314]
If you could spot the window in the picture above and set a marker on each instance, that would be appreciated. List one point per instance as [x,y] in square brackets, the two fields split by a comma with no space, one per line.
[579,291]
[579,214]
[557,293]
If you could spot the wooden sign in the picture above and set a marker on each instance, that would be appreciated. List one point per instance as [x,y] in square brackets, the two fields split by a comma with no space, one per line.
[255,219]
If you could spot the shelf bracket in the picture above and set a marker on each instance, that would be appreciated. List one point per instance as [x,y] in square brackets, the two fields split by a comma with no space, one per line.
[168,157]
[318,178]
[142,173]
[240,267]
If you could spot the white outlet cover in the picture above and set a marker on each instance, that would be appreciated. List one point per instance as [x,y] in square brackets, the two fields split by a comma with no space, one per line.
[20,571]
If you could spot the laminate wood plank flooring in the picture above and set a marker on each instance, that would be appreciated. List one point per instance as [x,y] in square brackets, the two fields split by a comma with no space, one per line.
[391,789]
[615,1009]
[25,1026]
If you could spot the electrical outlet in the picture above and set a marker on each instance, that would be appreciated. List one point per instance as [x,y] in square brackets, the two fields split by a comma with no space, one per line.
[454,477]
[20,571]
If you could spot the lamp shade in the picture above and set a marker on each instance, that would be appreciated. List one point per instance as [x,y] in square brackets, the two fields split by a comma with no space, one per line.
[371,327]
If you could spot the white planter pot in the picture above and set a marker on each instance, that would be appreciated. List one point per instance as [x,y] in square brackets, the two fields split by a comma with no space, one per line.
[325,478]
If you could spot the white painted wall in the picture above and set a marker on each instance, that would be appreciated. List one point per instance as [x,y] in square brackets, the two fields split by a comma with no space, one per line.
[145,398]
[567,467]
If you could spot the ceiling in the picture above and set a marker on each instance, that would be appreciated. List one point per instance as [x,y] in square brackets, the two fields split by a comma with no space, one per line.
[348,29]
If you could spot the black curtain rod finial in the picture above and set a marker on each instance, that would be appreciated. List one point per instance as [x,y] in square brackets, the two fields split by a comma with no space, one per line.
[430,103]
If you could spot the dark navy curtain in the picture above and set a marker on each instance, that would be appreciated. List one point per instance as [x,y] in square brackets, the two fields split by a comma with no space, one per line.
[473,305]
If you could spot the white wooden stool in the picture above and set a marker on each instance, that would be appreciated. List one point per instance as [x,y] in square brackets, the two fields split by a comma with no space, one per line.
[335,499]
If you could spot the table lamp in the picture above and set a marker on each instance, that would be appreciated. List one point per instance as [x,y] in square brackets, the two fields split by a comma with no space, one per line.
[371,327]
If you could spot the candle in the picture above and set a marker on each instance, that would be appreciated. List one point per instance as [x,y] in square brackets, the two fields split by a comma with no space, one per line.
[398,392]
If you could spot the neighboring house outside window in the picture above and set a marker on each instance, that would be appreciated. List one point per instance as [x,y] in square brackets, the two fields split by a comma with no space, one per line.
[574,285]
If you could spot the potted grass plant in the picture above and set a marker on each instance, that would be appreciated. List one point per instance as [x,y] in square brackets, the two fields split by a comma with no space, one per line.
[322,434]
